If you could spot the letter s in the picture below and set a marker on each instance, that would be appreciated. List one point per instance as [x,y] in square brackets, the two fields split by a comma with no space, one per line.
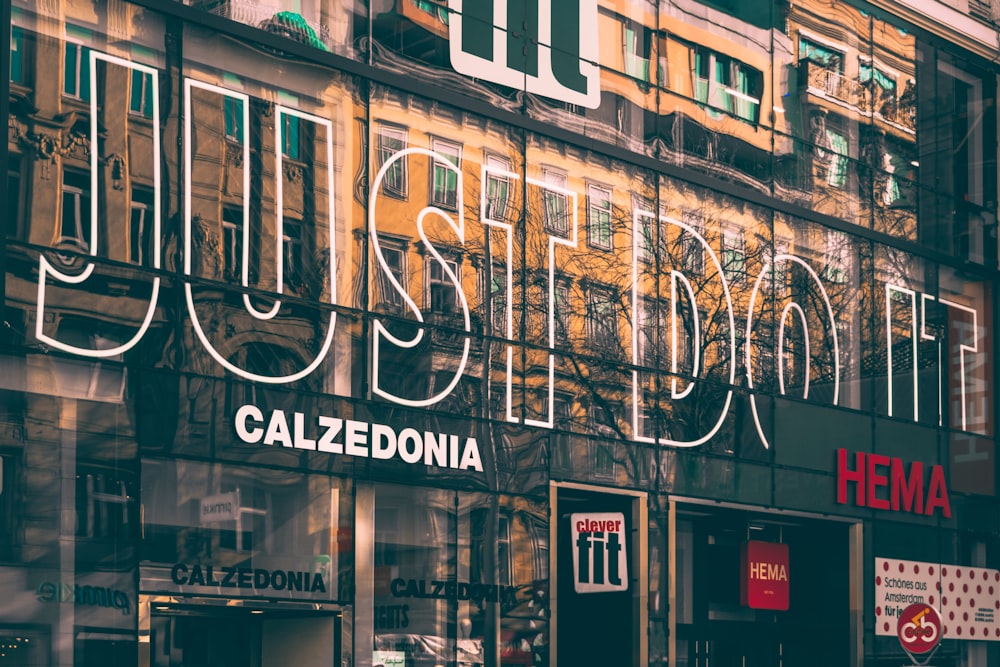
[380,332]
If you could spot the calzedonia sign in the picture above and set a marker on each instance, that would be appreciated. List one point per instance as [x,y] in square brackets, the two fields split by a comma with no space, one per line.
[600,563]
[349,437]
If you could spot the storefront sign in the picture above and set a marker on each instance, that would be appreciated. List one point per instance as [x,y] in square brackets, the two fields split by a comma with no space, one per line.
[247,578]
[91,596]
[884,483]
[223,507]
[389,659]
[357,438]
[764,578]
[555,55]
[919,628]
[452,590]
[600,564]
[966,598]
[962,387]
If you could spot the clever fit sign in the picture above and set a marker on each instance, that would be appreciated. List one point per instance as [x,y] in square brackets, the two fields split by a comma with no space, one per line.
[599,558]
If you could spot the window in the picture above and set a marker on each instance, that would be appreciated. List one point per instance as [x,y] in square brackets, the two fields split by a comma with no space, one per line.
[76,71]
[498,299]
[102,504]
[232,109]
[725,83]
[391,140]
[824,56]
[652,338]
[646,224]
[291,140]
[75,225]
[140,246]
[636,53]
[497,188]
[141,94]
[291,251]
[394,255]
[555,203]
[734,254]
[444,179]
[836,176]
[692,251]
[837,258]
[232,243]
[16,55]
[563,312]
[602,318]
[11,226]
[503,550]
[442,295]
[599,217]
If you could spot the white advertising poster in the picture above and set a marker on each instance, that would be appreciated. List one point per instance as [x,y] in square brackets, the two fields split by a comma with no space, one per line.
[967,598]
[389,659]
[599,559]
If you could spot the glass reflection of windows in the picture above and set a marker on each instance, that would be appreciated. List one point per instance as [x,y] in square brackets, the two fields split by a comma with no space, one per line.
[442,296]
[444,180]
[636,54]
[725,83]
[141,226]
[141,94]
[17,68]
[232,243]
[602,319]
[394,254]
[555,203]
[291,139]
[292,251]
[103,502]
[75,225]
[692,251]
[599,217]
[232,110]
[837,258]
[497,188]
[734,254]
[392,140]
[76,65]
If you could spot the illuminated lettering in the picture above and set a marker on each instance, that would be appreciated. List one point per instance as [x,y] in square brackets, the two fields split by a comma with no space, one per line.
[46,269]
[554,240]
[189,86]
[547,47]
[638,219]
[379,332]
[791,307]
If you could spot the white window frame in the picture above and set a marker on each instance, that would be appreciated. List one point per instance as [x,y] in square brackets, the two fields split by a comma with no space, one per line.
[386,133]
[596,194]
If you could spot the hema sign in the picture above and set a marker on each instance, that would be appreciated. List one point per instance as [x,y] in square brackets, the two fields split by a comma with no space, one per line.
[548,47]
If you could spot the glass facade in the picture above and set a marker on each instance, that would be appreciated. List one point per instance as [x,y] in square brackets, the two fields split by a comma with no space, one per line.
[385,333]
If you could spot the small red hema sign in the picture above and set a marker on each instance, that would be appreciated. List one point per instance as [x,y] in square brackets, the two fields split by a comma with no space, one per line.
[599,560]
[764,575]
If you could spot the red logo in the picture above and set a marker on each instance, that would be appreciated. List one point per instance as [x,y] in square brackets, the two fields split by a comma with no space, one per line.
[919,628]
[764,575]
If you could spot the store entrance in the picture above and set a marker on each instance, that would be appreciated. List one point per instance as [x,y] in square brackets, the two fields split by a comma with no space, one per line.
[716,624]
[239,633]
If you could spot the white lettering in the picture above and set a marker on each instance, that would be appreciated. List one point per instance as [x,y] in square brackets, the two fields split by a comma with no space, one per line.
[244,416]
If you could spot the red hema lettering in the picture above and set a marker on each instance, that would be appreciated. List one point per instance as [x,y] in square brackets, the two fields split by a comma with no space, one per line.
[884,483]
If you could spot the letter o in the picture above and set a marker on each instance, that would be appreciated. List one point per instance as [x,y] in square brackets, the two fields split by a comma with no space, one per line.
[411,435]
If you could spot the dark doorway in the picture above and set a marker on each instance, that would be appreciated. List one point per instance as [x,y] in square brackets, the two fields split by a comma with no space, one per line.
[715,628]
[595,628]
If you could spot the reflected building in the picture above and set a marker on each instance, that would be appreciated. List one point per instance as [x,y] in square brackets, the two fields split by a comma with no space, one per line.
[429,332]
